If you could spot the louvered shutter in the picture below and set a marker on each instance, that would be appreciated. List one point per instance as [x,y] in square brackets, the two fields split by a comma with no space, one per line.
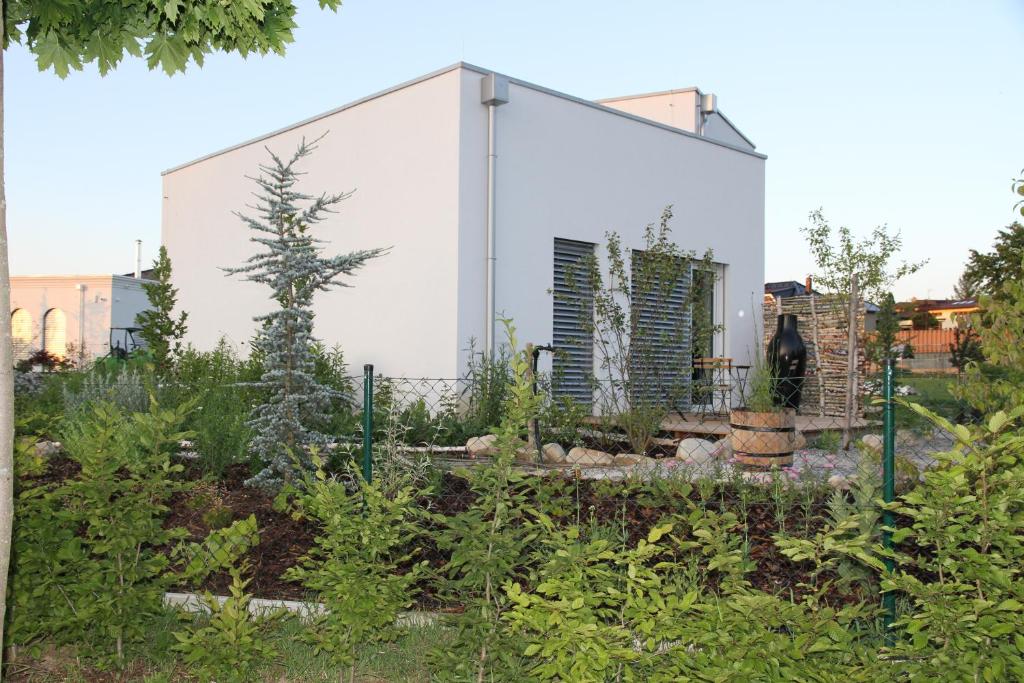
[573,312]
[660,355]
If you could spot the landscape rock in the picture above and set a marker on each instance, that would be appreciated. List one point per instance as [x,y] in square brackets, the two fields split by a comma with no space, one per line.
[627,459]
[722,449]
[553,453]
[527,455]
[838,481]
[48,449]
[589,456]
[872,442]
[482,446]
[696,451]
[800,440]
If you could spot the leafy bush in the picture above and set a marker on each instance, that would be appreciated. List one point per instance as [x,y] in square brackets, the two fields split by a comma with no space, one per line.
[218,380]
[228,645]
[363,538]
[963,583]
[87,550]
[489,542]
[124,386]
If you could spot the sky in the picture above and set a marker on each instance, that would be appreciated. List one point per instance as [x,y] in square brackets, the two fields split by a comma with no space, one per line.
[909,114]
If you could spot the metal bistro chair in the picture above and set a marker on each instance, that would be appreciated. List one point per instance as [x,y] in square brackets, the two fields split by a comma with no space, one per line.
[712,386]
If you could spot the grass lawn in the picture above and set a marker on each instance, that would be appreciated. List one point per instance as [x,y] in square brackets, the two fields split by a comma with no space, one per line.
[933,392]
[154,662]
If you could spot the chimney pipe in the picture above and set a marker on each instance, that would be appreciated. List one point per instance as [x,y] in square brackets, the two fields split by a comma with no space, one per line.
[138,259]
[807,284]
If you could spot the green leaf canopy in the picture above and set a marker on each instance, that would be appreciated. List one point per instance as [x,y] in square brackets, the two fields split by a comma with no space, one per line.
[68,34]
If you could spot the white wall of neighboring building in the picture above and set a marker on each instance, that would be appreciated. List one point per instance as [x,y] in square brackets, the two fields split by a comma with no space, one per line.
[400,153]
[676,108]
[681,109]
[89,313]
[417,156]
[573,171]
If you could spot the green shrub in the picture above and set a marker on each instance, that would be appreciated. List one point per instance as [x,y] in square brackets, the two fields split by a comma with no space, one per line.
[489,543]
[229,644]
[124,386]
[963,583]
[362,539]
[88,560]
[218,381]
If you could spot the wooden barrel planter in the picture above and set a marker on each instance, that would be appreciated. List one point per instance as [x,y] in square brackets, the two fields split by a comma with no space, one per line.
[763,440]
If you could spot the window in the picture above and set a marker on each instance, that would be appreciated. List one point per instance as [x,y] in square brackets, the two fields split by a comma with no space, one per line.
[660,357]
[21,333]
[704,284]
[572,329]
[55,332]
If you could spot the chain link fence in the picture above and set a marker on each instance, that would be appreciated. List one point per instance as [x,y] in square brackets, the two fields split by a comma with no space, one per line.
[779,470]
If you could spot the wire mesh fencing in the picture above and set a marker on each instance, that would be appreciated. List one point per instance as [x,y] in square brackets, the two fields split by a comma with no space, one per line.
[778,467]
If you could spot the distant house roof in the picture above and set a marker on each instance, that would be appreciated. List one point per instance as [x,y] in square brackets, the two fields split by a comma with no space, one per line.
[147,274]
[908,308]
[786,289]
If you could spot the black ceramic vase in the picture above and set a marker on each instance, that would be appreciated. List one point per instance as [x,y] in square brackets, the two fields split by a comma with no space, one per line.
[787,361]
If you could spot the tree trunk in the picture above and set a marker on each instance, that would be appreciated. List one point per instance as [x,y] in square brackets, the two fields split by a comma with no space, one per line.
[6,376]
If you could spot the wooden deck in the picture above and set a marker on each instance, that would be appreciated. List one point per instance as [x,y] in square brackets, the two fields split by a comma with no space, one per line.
[718,425]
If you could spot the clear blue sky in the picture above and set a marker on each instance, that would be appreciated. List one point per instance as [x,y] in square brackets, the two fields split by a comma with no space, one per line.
[906,113]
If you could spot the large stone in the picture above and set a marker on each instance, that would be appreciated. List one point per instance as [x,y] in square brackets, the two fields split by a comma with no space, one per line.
[627,459]
[696,452]
[722,449]
[527,455]
[553,453]
[872,442]
[589,456]
[48,449]
[482,446]
[838,481]
[799,440]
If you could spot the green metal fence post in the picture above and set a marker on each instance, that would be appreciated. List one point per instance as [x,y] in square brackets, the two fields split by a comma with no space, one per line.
[368,422]
[888,484]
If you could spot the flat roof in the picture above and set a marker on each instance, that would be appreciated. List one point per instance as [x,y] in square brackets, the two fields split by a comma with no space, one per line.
[482,71]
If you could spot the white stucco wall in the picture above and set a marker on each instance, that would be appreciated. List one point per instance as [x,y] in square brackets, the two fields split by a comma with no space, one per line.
[108,301]
[400,152]
[417,156]
[574,171]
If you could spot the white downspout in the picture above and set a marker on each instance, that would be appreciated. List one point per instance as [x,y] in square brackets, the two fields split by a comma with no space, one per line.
[492,160]
[138,259]
[493,92]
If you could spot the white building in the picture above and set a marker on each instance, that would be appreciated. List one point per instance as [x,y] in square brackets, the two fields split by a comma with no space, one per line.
[563,172]
[71,316]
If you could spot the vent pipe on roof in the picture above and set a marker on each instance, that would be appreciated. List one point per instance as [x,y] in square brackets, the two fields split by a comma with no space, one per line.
[138,259]
[493,93]
[708,106]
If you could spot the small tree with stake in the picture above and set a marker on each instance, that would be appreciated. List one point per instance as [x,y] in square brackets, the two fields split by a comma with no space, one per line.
[292,266]
[161,331]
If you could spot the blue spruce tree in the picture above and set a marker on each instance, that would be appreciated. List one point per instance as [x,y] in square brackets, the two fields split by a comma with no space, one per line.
[292,265]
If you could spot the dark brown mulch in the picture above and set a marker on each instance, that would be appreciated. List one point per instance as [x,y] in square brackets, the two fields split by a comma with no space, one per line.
[284,540]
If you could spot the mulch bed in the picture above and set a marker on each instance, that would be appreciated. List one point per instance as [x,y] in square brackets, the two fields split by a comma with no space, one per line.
[284,540]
